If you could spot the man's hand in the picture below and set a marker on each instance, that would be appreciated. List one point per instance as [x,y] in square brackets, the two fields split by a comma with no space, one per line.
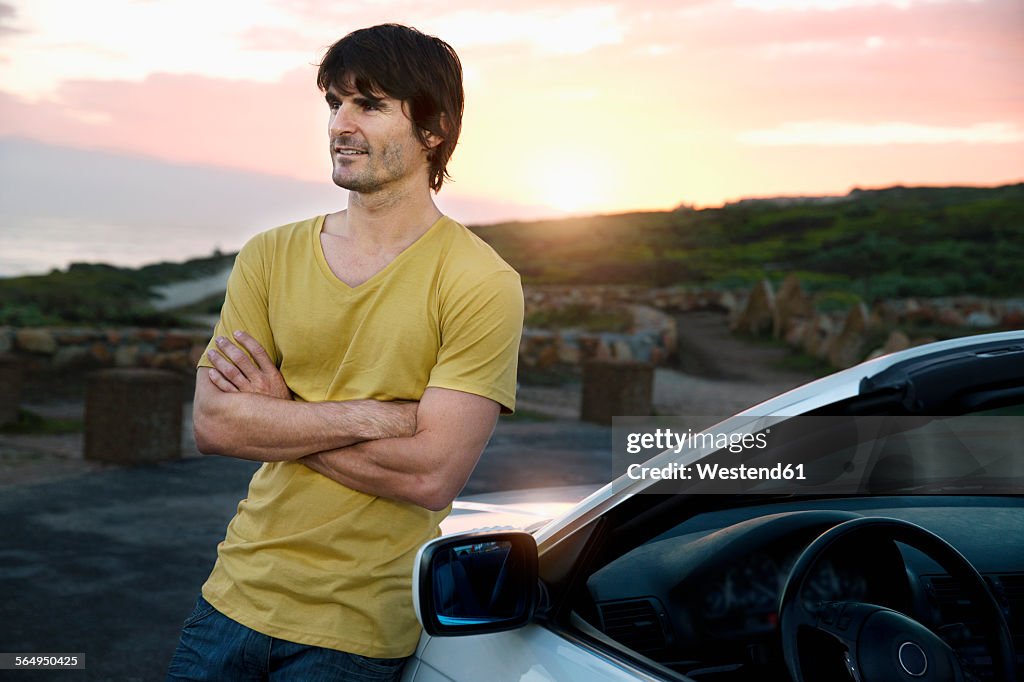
[236,372]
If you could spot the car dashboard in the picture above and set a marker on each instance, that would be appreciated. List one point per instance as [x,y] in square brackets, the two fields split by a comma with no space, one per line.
[702,598]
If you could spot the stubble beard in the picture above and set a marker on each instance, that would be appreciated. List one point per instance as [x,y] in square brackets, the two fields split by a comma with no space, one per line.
[381,168]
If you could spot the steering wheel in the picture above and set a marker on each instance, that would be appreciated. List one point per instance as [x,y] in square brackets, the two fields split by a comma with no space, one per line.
[882,645]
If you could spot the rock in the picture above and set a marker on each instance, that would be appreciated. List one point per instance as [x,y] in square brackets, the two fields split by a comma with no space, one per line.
[75,337]
[887,312]
[728,300]
[758,314]
[796,333]
[621,350]
[847,348]
[126,356]
[950,317]
[569,355]
[896,342]
[101,355]
[922,313]
[568,349]
[792,302]
[548,355]
[36,341]
[816,335]
[175,341]
[1012,316]
[72,357]
[641,346]
[980,319]
[177,360]
[588,346]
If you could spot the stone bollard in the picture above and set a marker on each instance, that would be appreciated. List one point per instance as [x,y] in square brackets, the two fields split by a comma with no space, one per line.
[11,374]
[616,388]
[133,416]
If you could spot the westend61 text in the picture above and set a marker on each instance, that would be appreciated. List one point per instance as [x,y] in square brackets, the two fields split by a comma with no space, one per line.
[716,472]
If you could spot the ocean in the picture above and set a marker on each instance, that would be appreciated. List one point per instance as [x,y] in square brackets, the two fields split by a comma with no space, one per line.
[37,246]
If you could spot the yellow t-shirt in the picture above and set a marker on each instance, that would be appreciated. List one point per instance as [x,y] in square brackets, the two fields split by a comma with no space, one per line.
[307,559]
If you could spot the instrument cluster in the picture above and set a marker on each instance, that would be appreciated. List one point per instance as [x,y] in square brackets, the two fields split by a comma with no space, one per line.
[746,596]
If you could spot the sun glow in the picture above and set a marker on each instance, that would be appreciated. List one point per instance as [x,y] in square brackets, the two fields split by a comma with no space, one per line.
[571,186]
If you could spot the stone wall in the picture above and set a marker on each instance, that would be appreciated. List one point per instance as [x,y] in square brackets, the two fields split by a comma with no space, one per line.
[842,339]
[788,314]
[650,339]
[78,349]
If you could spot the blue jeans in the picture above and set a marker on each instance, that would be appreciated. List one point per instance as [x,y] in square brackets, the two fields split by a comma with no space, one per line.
[214,647]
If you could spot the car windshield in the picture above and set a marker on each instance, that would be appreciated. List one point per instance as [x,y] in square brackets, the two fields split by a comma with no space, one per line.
[979,453]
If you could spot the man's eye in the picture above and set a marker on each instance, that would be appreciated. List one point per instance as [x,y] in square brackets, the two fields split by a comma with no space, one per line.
[371,106]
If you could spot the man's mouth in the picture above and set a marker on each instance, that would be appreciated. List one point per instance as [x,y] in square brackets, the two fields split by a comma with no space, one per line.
[349,151]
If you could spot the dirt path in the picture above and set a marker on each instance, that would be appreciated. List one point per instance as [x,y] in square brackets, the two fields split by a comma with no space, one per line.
[722,373]
[719,375]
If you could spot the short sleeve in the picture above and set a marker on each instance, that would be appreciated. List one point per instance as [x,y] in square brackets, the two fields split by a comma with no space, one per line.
[480,331]
[246,301]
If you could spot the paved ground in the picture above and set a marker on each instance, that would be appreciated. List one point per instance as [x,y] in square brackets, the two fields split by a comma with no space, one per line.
[107,561]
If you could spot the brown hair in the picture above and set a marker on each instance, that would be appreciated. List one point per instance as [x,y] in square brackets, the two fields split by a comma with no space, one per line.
[420,70]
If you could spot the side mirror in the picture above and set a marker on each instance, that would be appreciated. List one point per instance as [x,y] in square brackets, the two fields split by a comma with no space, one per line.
[476,582]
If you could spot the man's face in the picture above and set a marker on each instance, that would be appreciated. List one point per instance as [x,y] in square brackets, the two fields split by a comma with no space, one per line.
[373,143]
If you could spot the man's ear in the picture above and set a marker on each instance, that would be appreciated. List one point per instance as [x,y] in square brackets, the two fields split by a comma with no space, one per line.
[432,140]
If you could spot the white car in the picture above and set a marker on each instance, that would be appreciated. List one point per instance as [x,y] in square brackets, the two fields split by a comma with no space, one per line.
[893,549]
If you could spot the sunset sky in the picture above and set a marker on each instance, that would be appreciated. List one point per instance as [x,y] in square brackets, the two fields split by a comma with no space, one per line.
[572,106]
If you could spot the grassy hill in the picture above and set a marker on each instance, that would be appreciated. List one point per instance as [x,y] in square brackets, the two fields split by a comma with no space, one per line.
[872,244]
[875,244]
[94,293]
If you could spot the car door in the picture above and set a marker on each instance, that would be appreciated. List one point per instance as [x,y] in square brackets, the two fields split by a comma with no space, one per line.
[532,653]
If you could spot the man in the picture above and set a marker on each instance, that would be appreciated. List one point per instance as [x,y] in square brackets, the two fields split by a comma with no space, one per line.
[364,356]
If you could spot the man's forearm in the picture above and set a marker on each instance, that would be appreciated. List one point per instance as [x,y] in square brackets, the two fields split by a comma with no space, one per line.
[430,468]
[258,427]
[398,468]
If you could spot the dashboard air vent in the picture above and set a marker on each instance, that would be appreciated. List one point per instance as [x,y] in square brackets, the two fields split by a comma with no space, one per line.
[635,623]
[954,606]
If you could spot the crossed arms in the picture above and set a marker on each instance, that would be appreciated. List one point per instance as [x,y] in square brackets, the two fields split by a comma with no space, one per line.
[421,453]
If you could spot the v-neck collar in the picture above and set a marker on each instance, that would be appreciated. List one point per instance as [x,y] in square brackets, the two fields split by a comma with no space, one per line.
[325,268]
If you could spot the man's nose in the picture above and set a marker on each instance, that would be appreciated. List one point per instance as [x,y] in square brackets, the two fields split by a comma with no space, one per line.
[341,121]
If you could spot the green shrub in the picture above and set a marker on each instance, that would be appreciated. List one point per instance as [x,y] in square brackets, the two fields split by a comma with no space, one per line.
[578,316]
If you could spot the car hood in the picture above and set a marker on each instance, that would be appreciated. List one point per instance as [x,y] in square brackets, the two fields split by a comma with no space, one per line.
[519,509]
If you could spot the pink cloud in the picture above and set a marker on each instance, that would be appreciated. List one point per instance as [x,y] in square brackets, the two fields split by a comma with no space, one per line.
[715,72]
[276,128]
[954,64]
